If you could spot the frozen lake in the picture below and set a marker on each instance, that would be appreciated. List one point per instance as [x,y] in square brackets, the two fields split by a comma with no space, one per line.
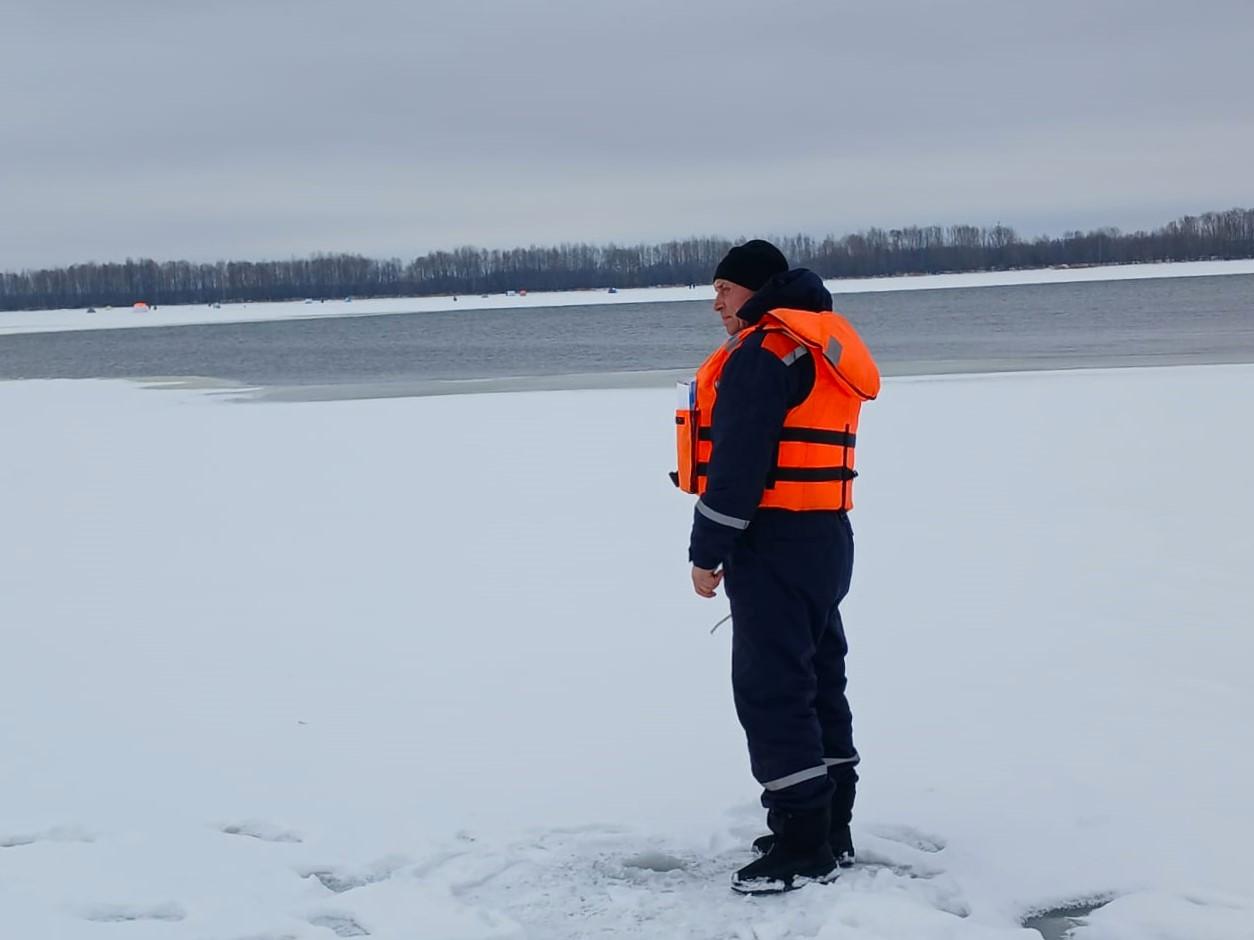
[978,329]
[316,669]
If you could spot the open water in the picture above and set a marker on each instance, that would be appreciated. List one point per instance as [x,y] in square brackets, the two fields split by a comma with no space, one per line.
[981,329]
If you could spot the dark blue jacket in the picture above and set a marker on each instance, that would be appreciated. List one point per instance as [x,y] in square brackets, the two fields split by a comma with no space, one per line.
[755,392]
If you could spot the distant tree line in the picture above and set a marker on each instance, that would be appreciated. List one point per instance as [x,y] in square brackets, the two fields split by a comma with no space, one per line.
[874,252]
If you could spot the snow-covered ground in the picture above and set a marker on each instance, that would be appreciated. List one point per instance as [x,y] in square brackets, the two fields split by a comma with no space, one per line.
[432,668]
[47,321]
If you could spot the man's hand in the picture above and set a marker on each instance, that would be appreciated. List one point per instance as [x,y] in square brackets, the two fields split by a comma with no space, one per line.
[704,582]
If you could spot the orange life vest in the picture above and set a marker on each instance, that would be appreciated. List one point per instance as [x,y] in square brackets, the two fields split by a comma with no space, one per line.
[814,463]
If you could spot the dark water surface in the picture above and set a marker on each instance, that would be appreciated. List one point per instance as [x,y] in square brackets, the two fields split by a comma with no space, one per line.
[1043,326]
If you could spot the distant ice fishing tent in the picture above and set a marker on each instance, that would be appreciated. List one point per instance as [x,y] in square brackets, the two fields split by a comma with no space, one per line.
[139,306]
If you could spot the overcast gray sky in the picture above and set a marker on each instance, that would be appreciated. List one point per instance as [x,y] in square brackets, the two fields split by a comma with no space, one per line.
[278,128]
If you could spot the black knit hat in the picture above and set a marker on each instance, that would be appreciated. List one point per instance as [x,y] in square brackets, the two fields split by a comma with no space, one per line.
[752,264]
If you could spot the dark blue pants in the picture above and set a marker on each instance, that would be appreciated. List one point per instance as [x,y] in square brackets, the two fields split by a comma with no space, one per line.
[785,578]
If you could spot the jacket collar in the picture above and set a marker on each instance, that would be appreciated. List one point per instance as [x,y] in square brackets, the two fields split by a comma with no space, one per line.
[798,289]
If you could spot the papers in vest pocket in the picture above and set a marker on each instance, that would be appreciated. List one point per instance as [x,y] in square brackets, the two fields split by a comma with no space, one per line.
[686,395]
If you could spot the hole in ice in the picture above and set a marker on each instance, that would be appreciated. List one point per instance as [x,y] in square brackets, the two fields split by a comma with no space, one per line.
[655,861]
[1056,923]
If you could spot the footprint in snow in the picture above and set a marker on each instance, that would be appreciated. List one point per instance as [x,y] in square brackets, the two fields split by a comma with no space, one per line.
[266,832]
[54,834]
[341,879]
[341,925]
[123,913]
[910,836]
[588,829]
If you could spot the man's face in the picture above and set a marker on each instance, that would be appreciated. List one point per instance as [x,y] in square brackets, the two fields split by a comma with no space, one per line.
[728,299]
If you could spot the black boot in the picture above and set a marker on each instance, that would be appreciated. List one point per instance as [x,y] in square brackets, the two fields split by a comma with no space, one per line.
[845,779]
[841,843]
[798,856]
[839,839]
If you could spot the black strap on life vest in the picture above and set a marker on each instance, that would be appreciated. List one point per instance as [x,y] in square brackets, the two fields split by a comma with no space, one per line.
[819,436]
[843,439]
[846,440]
[802,435]
[842,475]
[795,474]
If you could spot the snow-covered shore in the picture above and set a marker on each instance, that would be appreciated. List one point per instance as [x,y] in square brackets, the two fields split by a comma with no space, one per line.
[46,321]
[431,668]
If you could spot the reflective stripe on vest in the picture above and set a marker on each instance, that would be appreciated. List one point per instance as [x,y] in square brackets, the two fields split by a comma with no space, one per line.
[814,461]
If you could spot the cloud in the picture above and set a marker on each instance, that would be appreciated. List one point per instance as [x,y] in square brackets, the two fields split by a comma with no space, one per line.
[277,128]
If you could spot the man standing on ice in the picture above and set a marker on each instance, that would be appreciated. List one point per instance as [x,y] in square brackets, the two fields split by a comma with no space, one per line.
[766,440]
